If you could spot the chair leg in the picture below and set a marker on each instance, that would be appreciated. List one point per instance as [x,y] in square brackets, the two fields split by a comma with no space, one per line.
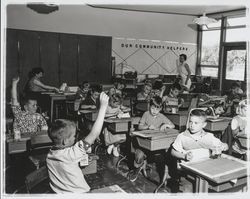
[163,181]
[120,160]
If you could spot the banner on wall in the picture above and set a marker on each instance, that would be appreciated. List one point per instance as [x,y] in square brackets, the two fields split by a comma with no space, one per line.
[151,56]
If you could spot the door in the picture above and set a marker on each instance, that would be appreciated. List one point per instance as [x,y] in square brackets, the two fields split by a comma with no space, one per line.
[234,66]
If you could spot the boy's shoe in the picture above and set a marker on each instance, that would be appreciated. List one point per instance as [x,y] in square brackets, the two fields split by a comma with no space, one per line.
[110,148]
[116,152]
[237,148]
[133,174]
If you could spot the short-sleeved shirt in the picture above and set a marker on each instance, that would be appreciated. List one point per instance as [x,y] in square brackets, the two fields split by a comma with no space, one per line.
[186,141]
[33,87]
[27,122]
[64,171]
[157,121]
[90,101]
[239,123]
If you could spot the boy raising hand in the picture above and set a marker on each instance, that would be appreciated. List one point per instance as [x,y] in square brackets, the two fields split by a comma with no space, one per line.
[64,157]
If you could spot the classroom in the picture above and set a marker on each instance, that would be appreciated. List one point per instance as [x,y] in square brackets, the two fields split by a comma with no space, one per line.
[125,97]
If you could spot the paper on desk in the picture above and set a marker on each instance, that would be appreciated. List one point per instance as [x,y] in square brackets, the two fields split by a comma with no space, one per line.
[124,115]
[199,154]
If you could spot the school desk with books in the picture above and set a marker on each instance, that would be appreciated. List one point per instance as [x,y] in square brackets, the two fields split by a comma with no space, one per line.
[217,174]
[154,140]
[21,145]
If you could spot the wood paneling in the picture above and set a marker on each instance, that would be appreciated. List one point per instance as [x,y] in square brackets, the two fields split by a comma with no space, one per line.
[29,54]
[68,59]
[12,65]
[49,43]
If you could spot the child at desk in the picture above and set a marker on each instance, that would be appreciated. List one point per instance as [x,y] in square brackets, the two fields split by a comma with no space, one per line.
[153,120]
[92,99]
[27,120]
[238,125]
[81,94]
[171,102]
[189,142]
[233,97]
[145,94]
[115,109]
[64,157]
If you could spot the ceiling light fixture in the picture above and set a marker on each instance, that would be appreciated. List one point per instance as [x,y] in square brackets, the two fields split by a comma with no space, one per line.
[204,20]
[43,8]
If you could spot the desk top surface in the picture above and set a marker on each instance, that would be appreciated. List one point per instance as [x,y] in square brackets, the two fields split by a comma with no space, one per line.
[179,113]
[118,120]
[156,134]
[218,170]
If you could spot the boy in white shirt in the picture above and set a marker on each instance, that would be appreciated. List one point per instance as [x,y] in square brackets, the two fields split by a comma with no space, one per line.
[64,157]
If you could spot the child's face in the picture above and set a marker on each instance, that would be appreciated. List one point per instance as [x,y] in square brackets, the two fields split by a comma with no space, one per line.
[175,92]
[86,86]
[31,106]
[243,111]
[95,95]
[219,110]
[157,92]
[120,86]
[154,110]
[196,124]
[114,104]
[147,89]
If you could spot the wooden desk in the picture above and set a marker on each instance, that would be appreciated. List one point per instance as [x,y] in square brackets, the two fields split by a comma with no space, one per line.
[153,140]
[219,124]
[56,97]
[179,119]
[20,146]
[89,114]
[216,174]
[118,125]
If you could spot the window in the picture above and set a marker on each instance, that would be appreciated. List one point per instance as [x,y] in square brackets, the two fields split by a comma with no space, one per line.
[210,47]
[234,31]
[235,65]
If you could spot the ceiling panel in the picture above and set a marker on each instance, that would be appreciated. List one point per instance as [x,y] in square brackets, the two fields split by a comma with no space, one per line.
[193,10]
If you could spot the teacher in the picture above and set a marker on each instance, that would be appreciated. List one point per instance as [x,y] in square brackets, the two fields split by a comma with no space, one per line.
[183,71]
[35,85]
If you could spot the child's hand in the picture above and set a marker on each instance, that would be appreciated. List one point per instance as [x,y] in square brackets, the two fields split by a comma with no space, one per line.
[164,127]
[15,80]
[104,99]
[92,107]
[152,127]
[56,89]
[188,156]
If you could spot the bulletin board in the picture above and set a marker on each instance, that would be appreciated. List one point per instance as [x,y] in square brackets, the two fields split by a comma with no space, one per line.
[151,56]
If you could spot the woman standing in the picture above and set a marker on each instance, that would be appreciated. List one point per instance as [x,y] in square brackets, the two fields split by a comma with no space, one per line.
[183,71]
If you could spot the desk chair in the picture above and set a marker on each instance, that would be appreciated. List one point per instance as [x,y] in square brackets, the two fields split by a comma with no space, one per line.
[38,177]
[38,149]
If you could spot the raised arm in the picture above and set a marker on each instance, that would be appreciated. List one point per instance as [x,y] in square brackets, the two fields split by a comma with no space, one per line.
[95,131]
[14,100]
[40,84]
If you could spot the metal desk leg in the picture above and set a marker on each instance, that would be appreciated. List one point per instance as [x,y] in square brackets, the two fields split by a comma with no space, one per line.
[201,185]
[163,182]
